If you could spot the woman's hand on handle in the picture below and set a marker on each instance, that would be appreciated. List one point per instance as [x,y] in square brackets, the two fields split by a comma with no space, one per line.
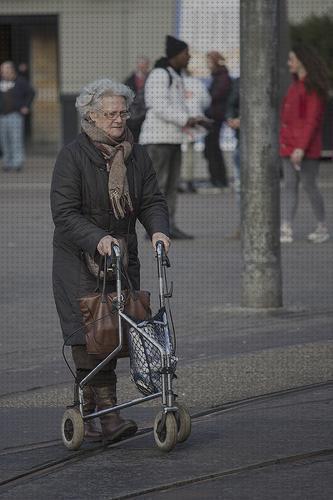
[161,237]
[104,246]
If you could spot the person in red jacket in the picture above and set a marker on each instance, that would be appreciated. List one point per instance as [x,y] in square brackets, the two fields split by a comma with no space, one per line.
[300,138]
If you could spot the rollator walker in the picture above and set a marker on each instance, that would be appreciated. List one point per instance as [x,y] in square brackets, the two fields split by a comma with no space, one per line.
[152,346]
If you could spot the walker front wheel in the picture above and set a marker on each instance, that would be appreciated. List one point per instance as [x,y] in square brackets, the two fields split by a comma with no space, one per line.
[184,425]
[165,434]
[72,429]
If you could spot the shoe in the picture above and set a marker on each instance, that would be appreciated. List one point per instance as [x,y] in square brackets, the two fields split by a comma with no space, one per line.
[12,169]
[177,234]
[286,233]
[219,184]
[91,431]
[190,188]
[320,234]
[114,428]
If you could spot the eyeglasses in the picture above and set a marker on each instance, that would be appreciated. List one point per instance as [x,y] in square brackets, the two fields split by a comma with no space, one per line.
[112,115]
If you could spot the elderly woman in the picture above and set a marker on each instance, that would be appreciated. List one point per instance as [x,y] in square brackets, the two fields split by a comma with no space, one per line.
[102,183]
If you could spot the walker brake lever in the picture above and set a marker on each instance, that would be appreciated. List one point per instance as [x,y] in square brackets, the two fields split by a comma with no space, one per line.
[111,262]
[165,260]
[160,252]
[168,293]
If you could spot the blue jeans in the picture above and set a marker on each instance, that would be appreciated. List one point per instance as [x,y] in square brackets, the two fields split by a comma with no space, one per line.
[12,140]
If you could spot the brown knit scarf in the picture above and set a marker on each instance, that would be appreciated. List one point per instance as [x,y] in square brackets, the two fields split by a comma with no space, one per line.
[115,153]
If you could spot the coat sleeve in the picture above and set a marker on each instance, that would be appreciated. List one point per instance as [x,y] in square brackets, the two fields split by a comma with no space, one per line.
[221,88]
[66,205]
[232,109]
[153,213]
[312,120]
[29,93]
[156,98]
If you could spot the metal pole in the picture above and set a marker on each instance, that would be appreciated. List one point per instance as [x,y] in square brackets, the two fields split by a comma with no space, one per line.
[283,50]
[260,201]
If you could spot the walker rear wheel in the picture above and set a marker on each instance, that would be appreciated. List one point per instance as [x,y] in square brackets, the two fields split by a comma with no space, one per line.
[72,429]
[184,425]
[165,435]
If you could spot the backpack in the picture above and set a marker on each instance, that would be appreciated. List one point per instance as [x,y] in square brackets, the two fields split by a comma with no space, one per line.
[138,109]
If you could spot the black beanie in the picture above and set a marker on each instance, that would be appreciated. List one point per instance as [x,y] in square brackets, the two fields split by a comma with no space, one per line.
[174,46]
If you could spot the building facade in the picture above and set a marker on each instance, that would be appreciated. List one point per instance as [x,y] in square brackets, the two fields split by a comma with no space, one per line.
[67,43]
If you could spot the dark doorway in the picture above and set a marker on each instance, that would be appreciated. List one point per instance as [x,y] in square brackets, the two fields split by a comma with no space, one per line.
[5,42]
[33,40]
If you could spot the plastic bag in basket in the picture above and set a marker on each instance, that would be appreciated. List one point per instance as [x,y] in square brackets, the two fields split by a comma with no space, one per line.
[145,358]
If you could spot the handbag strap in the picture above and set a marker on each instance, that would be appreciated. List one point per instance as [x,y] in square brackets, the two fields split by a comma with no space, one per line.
[104,278]
[102,266]
[131,289]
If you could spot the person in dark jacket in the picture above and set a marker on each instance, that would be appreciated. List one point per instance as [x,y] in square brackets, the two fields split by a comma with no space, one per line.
[219,90]
[136,81]
[16,96]
[102,183]
[300,139]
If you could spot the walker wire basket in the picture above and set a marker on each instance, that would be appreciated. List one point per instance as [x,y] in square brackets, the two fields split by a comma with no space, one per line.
[145,357]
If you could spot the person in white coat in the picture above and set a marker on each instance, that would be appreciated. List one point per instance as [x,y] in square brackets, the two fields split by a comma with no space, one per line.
[163,129]
[197,101]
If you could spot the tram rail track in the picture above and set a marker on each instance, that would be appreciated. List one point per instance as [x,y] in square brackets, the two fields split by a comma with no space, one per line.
[48,467]
[226,473]
[215,410]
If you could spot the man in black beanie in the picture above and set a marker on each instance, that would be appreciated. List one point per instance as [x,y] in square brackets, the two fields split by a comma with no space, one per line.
[175,47]
[162,131]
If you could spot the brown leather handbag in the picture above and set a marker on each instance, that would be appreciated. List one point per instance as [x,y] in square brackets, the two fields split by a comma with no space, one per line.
[100,316]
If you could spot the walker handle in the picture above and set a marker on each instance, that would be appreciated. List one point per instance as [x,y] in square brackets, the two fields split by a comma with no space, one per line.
[115,249]
[111,259]
[160,251]
[160,247]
